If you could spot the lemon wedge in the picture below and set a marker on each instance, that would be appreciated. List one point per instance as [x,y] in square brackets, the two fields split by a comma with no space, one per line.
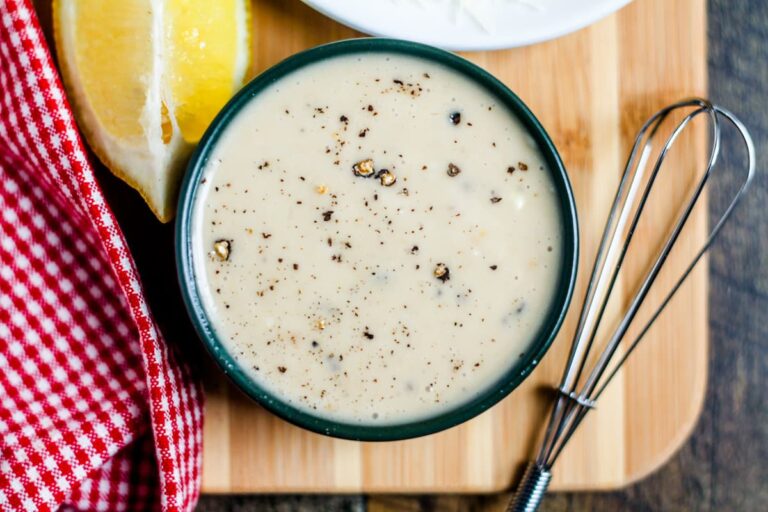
[146,77]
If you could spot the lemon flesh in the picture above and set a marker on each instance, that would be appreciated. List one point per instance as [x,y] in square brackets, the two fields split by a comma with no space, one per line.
[201,42]
[146,77]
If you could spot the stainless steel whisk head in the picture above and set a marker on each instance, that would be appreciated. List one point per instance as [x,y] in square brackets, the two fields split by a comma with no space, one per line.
[587,372]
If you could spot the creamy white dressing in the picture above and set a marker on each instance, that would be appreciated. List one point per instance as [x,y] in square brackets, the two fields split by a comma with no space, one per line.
[362,302]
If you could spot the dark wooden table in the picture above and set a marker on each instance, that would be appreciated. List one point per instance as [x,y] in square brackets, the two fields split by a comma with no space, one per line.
[723,467]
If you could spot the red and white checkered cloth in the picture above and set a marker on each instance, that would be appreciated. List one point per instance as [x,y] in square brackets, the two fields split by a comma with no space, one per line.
[96,413]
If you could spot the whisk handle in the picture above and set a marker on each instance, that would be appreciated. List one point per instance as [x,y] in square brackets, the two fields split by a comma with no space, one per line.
[531,490]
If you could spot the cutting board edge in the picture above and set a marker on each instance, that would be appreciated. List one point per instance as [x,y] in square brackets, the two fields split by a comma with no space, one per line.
[676,443]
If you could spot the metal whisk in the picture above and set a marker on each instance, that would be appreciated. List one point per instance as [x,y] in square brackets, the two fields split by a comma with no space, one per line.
[584,380]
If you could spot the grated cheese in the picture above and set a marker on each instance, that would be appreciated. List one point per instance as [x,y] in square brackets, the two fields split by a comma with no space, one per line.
[480,12]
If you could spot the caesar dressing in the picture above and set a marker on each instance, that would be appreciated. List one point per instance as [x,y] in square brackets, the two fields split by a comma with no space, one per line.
[377,239]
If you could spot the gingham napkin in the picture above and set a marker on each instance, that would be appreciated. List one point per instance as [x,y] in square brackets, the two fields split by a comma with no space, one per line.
[96,412]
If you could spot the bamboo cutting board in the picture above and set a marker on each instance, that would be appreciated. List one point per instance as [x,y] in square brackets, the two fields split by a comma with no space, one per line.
[591,90]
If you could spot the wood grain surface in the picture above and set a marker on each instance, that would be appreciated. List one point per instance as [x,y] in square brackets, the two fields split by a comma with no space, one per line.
[592,90]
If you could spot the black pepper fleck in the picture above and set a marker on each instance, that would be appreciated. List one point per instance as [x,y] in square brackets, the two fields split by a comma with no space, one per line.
[455,118]
[453,170]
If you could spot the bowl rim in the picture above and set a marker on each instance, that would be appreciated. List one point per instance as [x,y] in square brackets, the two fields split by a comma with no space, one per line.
[464,411]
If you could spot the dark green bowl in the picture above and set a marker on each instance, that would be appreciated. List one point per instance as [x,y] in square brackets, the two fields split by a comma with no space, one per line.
[518,369]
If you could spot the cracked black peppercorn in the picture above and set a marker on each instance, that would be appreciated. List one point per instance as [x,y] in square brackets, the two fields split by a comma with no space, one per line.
[222,249]
[364,168]
[386,178]
[442,272]
[453,170]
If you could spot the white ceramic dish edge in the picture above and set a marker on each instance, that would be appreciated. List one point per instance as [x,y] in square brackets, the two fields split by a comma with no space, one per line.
[518,23]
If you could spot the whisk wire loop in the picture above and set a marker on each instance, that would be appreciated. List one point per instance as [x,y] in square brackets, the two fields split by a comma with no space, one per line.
[601,281]
[580,388]
[653,272]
